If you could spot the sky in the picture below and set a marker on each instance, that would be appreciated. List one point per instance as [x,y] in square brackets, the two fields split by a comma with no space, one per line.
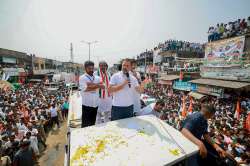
[123,28]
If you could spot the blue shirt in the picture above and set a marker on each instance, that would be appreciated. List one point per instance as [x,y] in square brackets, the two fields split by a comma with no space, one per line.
[53,112]
[196,124]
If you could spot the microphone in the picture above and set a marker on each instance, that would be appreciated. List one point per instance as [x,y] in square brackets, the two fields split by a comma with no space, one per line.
[127,74]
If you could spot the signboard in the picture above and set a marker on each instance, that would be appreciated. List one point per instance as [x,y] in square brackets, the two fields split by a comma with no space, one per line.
[224,52]
[45,71]
[11,71]
[183,85]
[213,91]
[233,73]
[9,60]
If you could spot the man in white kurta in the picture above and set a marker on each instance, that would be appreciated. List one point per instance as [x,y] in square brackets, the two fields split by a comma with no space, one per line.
[105,98]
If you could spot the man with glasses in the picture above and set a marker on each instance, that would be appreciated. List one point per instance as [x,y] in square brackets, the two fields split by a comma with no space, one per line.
[122,85]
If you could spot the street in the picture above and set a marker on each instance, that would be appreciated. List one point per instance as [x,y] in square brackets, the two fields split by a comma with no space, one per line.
[54,154]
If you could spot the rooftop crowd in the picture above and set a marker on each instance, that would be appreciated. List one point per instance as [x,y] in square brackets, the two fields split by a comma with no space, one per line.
[231,29]
[147,53]
[27,115]
[178,45]
[174,45]
[227,131]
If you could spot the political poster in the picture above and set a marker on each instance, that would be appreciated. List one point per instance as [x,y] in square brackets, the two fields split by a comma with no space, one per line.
[224,52]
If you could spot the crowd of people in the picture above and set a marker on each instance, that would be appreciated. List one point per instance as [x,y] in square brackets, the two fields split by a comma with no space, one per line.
[231,29]
[178,45]
[224,128]
[174,45]
[27,115]
[147,54]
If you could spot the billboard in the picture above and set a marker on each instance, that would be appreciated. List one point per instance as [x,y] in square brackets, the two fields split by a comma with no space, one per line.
[227,59]
[224,52]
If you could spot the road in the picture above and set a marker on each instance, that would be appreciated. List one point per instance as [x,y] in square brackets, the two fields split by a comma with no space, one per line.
[54,154]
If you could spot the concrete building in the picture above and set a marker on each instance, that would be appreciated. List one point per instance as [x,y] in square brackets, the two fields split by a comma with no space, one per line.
[10,58]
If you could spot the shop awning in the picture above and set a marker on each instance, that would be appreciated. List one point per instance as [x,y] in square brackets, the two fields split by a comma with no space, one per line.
[221,83]
[169,77]
[196,95]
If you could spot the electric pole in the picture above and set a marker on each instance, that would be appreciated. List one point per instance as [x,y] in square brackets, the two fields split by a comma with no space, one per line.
[89,43]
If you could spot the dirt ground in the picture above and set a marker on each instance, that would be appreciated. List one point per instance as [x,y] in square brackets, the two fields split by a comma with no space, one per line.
[54,154]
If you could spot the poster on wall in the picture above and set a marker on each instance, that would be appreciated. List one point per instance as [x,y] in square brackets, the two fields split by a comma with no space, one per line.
[225,52]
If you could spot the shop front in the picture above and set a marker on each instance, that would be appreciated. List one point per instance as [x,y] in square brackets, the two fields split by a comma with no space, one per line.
[211,90]
[15,75]
[219,88]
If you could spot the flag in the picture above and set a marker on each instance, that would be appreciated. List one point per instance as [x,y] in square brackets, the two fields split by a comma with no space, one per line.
[181,76]
[237,111]
[184,110]
[190,108]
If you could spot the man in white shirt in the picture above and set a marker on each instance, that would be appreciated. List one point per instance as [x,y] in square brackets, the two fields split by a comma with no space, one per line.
[152,109]
[105,102]
[54,115]
[89,86]
[122,85]
[22,126]
[33,142]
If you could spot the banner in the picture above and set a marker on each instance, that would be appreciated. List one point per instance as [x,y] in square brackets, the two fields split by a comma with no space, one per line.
[224,52]
[183,85]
